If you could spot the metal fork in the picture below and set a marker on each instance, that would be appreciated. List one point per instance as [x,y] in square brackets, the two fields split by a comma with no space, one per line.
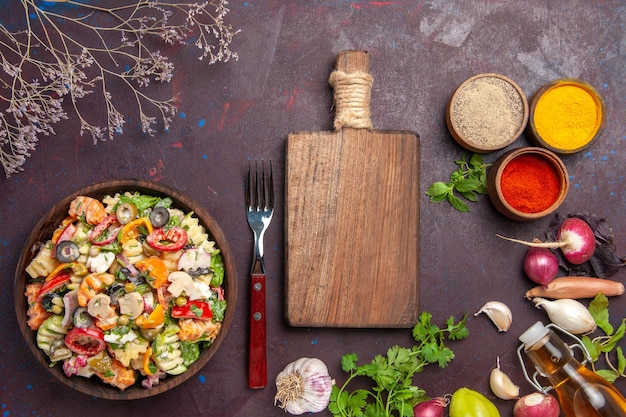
[260,209]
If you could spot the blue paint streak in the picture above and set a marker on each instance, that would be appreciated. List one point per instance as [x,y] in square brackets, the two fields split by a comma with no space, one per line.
[5,414]
[201,123]
[205,157]
[29,386]
[314,341]
[182,115]
[202,379]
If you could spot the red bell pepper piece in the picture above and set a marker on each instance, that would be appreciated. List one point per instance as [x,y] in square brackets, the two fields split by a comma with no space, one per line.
[88,341]
[194,309]
[54,283]
[101,234]
[168,241]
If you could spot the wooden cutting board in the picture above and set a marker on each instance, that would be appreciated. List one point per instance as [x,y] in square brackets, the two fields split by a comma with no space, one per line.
[352,216]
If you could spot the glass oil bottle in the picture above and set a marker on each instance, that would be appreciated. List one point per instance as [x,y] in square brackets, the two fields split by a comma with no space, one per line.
[580,391]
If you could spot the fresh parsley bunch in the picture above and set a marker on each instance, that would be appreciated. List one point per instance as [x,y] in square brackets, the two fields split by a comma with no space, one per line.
[468,180]
[393,392]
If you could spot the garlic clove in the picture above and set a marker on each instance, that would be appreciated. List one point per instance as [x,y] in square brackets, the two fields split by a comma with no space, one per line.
[569,314]
[501,384]
[499,313]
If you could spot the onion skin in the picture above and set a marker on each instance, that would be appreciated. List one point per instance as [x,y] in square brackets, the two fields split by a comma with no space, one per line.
[576,287]
[536,405]
[431,408]
[541,265]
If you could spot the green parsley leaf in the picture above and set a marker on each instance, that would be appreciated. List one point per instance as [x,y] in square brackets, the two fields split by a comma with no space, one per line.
[348,362]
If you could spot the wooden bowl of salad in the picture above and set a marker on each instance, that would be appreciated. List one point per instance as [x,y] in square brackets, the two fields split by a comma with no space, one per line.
[125,289]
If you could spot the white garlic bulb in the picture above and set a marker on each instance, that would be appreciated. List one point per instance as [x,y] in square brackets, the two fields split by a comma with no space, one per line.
[304,386]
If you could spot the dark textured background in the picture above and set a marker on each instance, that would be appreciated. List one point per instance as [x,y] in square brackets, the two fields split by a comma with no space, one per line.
[420,52]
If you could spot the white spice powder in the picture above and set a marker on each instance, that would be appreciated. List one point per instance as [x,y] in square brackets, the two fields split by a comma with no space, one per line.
[487,111]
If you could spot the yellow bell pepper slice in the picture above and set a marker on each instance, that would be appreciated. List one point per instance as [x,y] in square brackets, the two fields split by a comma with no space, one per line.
[156,269]
[146,362]
[153,320]
[132,230]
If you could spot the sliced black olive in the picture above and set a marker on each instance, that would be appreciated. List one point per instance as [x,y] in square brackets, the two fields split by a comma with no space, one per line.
[67,251]
[198,271]
[48,303]
[115,292]
[81,318]
[159,216]
[126,212]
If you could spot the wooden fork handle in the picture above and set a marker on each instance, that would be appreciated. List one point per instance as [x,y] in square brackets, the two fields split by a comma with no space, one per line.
[257,357]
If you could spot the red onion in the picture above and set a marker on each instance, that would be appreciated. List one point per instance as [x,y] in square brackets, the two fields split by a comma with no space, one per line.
[431,408]
[541,265]
[133,271]
[536,405]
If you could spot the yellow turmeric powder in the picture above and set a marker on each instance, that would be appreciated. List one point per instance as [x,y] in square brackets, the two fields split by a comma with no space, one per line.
[568,115]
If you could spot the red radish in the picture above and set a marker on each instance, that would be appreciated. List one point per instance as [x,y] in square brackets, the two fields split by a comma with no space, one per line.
[575,239]
[431,408]
[536,405]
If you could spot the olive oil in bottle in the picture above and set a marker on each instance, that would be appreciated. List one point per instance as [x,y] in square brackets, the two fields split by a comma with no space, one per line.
[580,391]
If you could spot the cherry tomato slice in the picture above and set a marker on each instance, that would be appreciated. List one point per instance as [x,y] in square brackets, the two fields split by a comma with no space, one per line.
[105,232]
[88,341]
[172,240]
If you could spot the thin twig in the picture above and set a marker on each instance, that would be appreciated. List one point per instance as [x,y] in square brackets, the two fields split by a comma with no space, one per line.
[60,55]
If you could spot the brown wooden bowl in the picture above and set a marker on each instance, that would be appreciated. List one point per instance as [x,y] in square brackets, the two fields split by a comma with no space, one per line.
[487,112]
[569,119]
[498,198]
[43,231]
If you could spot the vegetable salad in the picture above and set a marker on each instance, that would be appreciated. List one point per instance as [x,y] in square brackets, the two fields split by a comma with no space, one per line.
[128,288]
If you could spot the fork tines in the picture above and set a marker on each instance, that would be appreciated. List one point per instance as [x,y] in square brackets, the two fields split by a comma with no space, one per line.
[260,195]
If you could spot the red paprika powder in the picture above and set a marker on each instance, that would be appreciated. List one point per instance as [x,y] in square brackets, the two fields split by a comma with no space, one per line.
[530,183]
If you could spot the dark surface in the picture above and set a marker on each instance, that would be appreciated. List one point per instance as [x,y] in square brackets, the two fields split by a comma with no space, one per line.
[420,52]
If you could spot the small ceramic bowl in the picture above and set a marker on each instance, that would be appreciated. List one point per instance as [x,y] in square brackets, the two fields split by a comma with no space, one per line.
[529,183]
[566,116]
[42,232]
[486,113]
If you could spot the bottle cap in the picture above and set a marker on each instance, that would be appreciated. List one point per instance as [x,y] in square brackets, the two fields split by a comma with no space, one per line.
[534,334]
